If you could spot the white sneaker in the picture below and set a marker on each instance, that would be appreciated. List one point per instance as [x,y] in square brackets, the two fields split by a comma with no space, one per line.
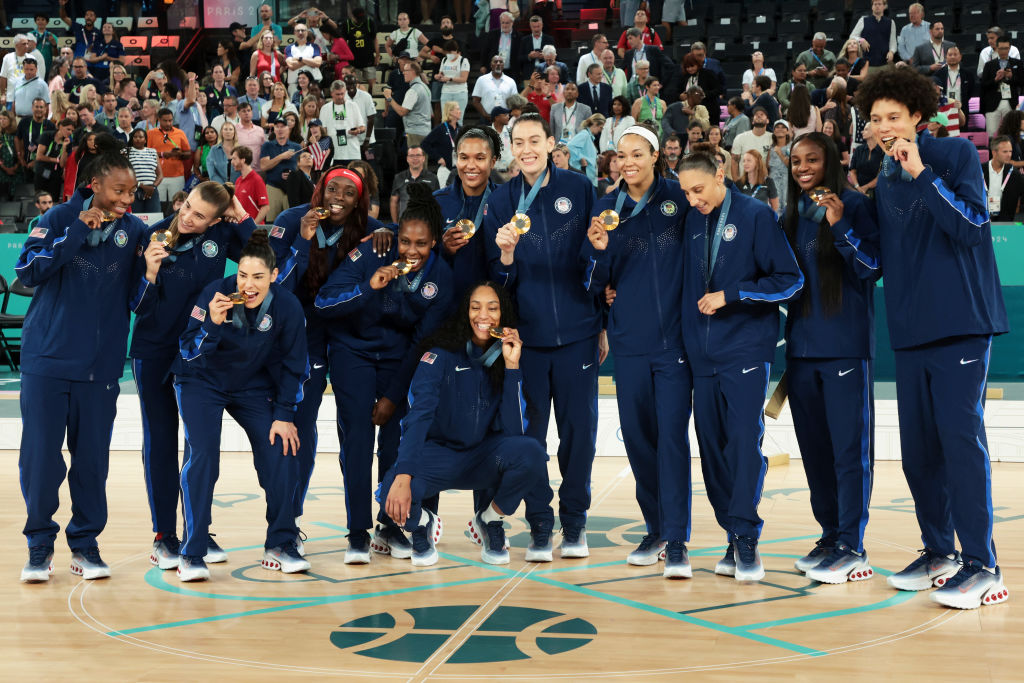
[286,559]
[192,569]
[39,565]
[89,565]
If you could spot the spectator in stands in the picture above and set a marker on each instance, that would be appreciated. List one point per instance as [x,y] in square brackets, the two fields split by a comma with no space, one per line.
[309,110]
[299,185]
[837,109]
[440,142]
[152,86]
[930,56]
[954,117]
[252,96]
[320,146]
[344,123]
[583,147]
[372,186]
[406,38]
[229,114]
[567,117]
[87,123]
[267,59]
[190,110]
[738,123]
[436,54]
[105,50]
[755,181]
[46,41]
[694,136]
[637,85]
[218,90]
[85,34]
[607,172]
[612,75]
[415,107]
[650,108]
[363,100]
[173,148]
[560,157]
[616,124]
[672,13]
[302,56]
[595,93]
[497,9]
[121,129]
[530,45]
[499,122]
[51,156]
[107,115]
[679,114]
[218,163]
[30,131]
[638,52]
[12,73]
[760,97]
[249,187]
[227,58]
[10,166]
[799,77]
[147,116]
[266,24]
[829,128]
[539,93]
[239,34]
[700,51]
[417,172]
[32,88]
[758,138]
[803,116]
[453,73]
[778,160]
[89,96]
[317,21]
[757,68]
[598,44]
[843,72]
[84,152]
[989,53]
[249,134]
[879,34]
[694,74]
[672,151]
[866,162]
[59,72]
[277,160]
[338,54]
[550,55]
[956,84]
[43,203]
[913,34]
[1004,183]
[714,138]
[504,43]
[1001,83]
[277,107]
[491,91]
[208,140]
[647,34]
[818,61]
[73,86]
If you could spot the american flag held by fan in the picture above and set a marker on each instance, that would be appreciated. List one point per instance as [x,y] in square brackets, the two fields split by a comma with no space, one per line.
[320,151]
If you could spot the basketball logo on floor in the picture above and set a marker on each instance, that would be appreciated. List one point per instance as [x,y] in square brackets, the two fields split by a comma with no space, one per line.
[508,634]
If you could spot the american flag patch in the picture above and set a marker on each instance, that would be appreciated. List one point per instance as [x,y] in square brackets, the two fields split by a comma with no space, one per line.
[428,357]
[38,232]
[198,313]
[355,254]
[277,231]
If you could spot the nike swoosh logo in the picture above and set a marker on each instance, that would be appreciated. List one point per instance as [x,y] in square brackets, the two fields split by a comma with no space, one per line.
[844,373]
[749,370]
[317,366]
[682,360]
[449,221]
[458,369]
[587,365]
[696,237]
[968,362]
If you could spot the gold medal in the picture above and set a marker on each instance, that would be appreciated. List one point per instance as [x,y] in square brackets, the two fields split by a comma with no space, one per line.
[887,144]
[521,223]
[609,219]
[818,193]
[322,212]
[161,236]
[109,216]
[403,266]
[237,298]
[496,332]
[467,227]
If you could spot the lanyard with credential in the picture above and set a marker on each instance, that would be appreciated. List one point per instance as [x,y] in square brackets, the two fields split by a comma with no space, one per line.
[526,201]
[621,201]
[716,242]
[487,358]
[238,312]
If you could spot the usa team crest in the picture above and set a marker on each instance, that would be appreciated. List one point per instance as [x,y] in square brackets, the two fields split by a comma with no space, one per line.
[729,234]
[429,290]
[266,323]
[563,205]
[120,238]
[669,208]
[209,248]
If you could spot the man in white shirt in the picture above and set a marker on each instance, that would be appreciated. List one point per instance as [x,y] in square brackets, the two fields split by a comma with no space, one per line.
[12,72]
[492,90]
[363,99]
[340,116]
[758,138]
[613,75]
[230,115]
[989,53]
[913,34]
[598,44]
[302,55]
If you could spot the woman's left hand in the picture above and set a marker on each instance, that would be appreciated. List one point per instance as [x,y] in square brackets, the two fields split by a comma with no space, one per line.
[289,436]
[711,302]
[382,411]
[511,348]
[833,207]
[381,241]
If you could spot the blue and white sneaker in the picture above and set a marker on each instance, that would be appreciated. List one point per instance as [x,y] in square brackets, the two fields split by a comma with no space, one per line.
[649,551]
[214,553]
[748,560]
[39,565]
[727,565]
[192,569]
[822,549]
[843,564]
[299,538]
[88,564]
[972,587]
[929,569]
[574,541]
[478,531]
[285,558]
[358,551]
[165,551]
[388,539]
[677,561]
[540,549]
[494,549]
[423,539]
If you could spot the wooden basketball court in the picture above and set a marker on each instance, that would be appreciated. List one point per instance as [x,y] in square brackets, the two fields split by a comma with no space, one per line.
[463,620]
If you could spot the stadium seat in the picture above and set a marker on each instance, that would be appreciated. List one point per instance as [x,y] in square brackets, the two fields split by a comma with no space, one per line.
[983,156]
[10,209]
[980,139]
[974,105]
[975,122]
[597,15]
[134,42]
[149,23]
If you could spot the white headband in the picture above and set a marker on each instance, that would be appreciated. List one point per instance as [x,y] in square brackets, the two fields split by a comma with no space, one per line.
[644,133]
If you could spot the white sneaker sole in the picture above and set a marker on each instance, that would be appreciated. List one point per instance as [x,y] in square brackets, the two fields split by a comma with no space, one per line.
[164,562]
[36,575]
[357,556]
[539,554]
[646,559]
[922,584]
[575,551]
[993,596]
[90,574]
[860,572]
[190,575]
[273,564]
[684,572]
[724,569]
[494,558]
[426,560]
[382,547]
[215,557]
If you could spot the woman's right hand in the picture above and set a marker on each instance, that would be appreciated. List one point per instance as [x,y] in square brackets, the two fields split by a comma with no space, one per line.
[220,304]
[383,276]
[399,499]
[597,235]
[307,227]
[155,253]
[507,239]
[609,295]
[453,240]
[93,217]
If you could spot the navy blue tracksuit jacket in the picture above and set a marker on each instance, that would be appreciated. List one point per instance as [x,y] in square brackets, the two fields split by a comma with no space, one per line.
[469,264]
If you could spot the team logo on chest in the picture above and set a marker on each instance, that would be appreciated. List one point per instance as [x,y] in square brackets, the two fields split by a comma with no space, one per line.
[729,233]
[266,323]
[120,238]
[209,248]
[563,205]
[429,290]
[669,208]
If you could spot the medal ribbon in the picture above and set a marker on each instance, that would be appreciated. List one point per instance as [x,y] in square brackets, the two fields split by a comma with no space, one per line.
[716,242]
[639,206]
[810,210]
[94,237]
[488,357]
[238,312]
[323,241]
[527,200]
[180,249]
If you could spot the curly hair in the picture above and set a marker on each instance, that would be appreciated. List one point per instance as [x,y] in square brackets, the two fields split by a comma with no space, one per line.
[911,89]
[355,230]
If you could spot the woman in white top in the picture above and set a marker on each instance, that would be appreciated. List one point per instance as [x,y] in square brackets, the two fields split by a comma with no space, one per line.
[404,38]
[803,116]
[277,107]
[616,124]
[758,69]
[453,73]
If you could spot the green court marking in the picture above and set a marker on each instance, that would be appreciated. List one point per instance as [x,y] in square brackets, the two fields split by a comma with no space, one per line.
[897,599]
